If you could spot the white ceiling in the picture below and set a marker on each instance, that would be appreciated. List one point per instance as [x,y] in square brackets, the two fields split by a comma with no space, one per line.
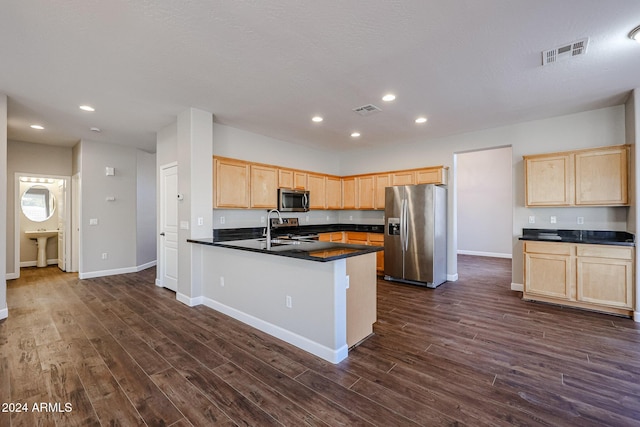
[269,66]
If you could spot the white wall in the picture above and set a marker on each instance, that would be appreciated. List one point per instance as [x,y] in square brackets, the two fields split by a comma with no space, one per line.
[4,312]
[589,129]
[30,158]
[484,204]
[115,234]
[146,212]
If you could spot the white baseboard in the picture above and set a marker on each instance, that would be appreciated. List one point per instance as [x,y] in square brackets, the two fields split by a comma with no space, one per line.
[35,263]
[115,271]
[11,276]
[159,283]
[517,287]
[452,277]
[487,254]
[322,351]
[4,313]
[636,316]
[191,302]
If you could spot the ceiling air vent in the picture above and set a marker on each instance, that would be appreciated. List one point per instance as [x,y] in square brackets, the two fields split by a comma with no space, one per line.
[367,110]
[561,53]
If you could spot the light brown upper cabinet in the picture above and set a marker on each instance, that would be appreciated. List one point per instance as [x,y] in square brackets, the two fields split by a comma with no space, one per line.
[366,192]
[334,192]
[300,180]
[231,183]
[591,177]
[264,187]
[349,193]
[285,178]
[403,178]
[380,182]
[601,176]
[437,175]
[316,184]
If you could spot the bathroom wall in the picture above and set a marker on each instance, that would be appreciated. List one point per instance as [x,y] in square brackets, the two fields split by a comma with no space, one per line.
[29,158]
[28,247]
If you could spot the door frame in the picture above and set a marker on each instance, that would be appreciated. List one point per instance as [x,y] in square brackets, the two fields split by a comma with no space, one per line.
[18,212]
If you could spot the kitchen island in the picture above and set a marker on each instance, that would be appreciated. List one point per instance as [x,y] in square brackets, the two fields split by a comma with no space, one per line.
[318,296]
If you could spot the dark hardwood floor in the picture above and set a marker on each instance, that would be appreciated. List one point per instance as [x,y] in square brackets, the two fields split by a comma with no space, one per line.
[120,351]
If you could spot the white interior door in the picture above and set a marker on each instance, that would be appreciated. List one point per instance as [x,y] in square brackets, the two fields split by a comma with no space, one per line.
[74,228]
[169,227]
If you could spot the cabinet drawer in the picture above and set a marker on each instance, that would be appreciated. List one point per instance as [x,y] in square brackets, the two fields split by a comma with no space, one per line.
[376,237]
[548,248]
[602,251]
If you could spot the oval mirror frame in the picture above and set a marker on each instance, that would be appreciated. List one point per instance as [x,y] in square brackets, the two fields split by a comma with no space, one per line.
[38,203]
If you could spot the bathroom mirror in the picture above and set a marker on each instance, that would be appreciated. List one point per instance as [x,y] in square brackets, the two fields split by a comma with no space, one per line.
[38,203]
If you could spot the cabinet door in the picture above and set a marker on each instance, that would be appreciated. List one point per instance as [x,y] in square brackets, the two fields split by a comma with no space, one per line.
[334,192]
[403,178]
[264,187]
[601,177]
[285,178]
[357,238]
[316,184]
[431,176]
[300,180]
[605,281]
[231,183]
[548,275]
[365,192]
[377,239]
[348,193]
[605,275]
[380,182]
[549,180]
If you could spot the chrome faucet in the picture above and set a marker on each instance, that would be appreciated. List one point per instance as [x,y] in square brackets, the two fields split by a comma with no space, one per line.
[269,226]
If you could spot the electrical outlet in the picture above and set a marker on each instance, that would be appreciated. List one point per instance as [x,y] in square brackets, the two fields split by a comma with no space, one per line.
[262,219]
[347,285]
[200,220]
[580,220]
[221,220]
[93,221]
[222,281]
[288,302]
[105,255]
[306,218]
[532,219]
[553,219]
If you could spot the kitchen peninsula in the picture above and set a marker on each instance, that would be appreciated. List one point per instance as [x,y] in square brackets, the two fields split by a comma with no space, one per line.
[318,296]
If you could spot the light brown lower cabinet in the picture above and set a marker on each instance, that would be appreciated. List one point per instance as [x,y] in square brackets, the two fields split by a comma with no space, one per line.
[358,238]
[595,277]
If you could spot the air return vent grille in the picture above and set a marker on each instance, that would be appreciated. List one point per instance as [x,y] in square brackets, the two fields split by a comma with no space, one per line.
[367,110]
[561,53]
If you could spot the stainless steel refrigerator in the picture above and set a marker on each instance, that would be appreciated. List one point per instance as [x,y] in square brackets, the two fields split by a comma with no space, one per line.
[415,237]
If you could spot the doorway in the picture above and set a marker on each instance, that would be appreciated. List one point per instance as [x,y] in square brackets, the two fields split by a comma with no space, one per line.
[42,206]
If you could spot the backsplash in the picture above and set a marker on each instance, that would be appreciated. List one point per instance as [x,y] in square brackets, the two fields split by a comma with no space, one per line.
[241,218]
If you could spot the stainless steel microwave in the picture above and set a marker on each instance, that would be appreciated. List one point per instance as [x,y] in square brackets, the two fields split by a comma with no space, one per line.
[293,200]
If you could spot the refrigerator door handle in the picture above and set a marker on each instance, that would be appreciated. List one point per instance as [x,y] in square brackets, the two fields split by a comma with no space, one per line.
[406,225]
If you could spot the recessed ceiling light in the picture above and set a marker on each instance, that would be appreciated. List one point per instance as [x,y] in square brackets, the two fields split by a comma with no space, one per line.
[355,134]
[317,119]
[87,108]
[421,120]
[635,34]
[37,127]
[389,97]
[94,129]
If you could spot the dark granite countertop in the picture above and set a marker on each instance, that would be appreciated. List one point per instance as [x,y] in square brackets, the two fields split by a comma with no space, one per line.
[597,237]
[307,250]
[226,234]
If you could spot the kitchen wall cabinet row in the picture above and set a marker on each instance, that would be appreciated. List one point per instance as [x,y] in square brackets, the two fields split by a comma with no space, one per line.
[358,238]
[590,177]
[596,277]
[242,184]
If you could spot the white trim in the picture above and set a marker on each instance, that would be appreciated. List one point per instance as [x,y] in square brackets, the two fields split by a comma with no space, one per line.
[322,351]
[33,263]
[636,316]
[487,254]
[102,273]
[4,313]
[191,302]
[517,287]
[11,276]
[452,277]
[158,283]
[146,265]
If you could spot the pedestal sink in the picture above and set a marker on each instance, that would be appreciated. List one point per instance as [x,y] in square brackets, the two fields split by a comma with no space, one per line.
[41,237]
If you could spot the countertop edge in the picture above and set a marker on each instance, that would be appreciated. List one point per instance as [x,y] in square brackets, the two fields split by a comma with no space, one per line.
[581,242]
[227,245]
